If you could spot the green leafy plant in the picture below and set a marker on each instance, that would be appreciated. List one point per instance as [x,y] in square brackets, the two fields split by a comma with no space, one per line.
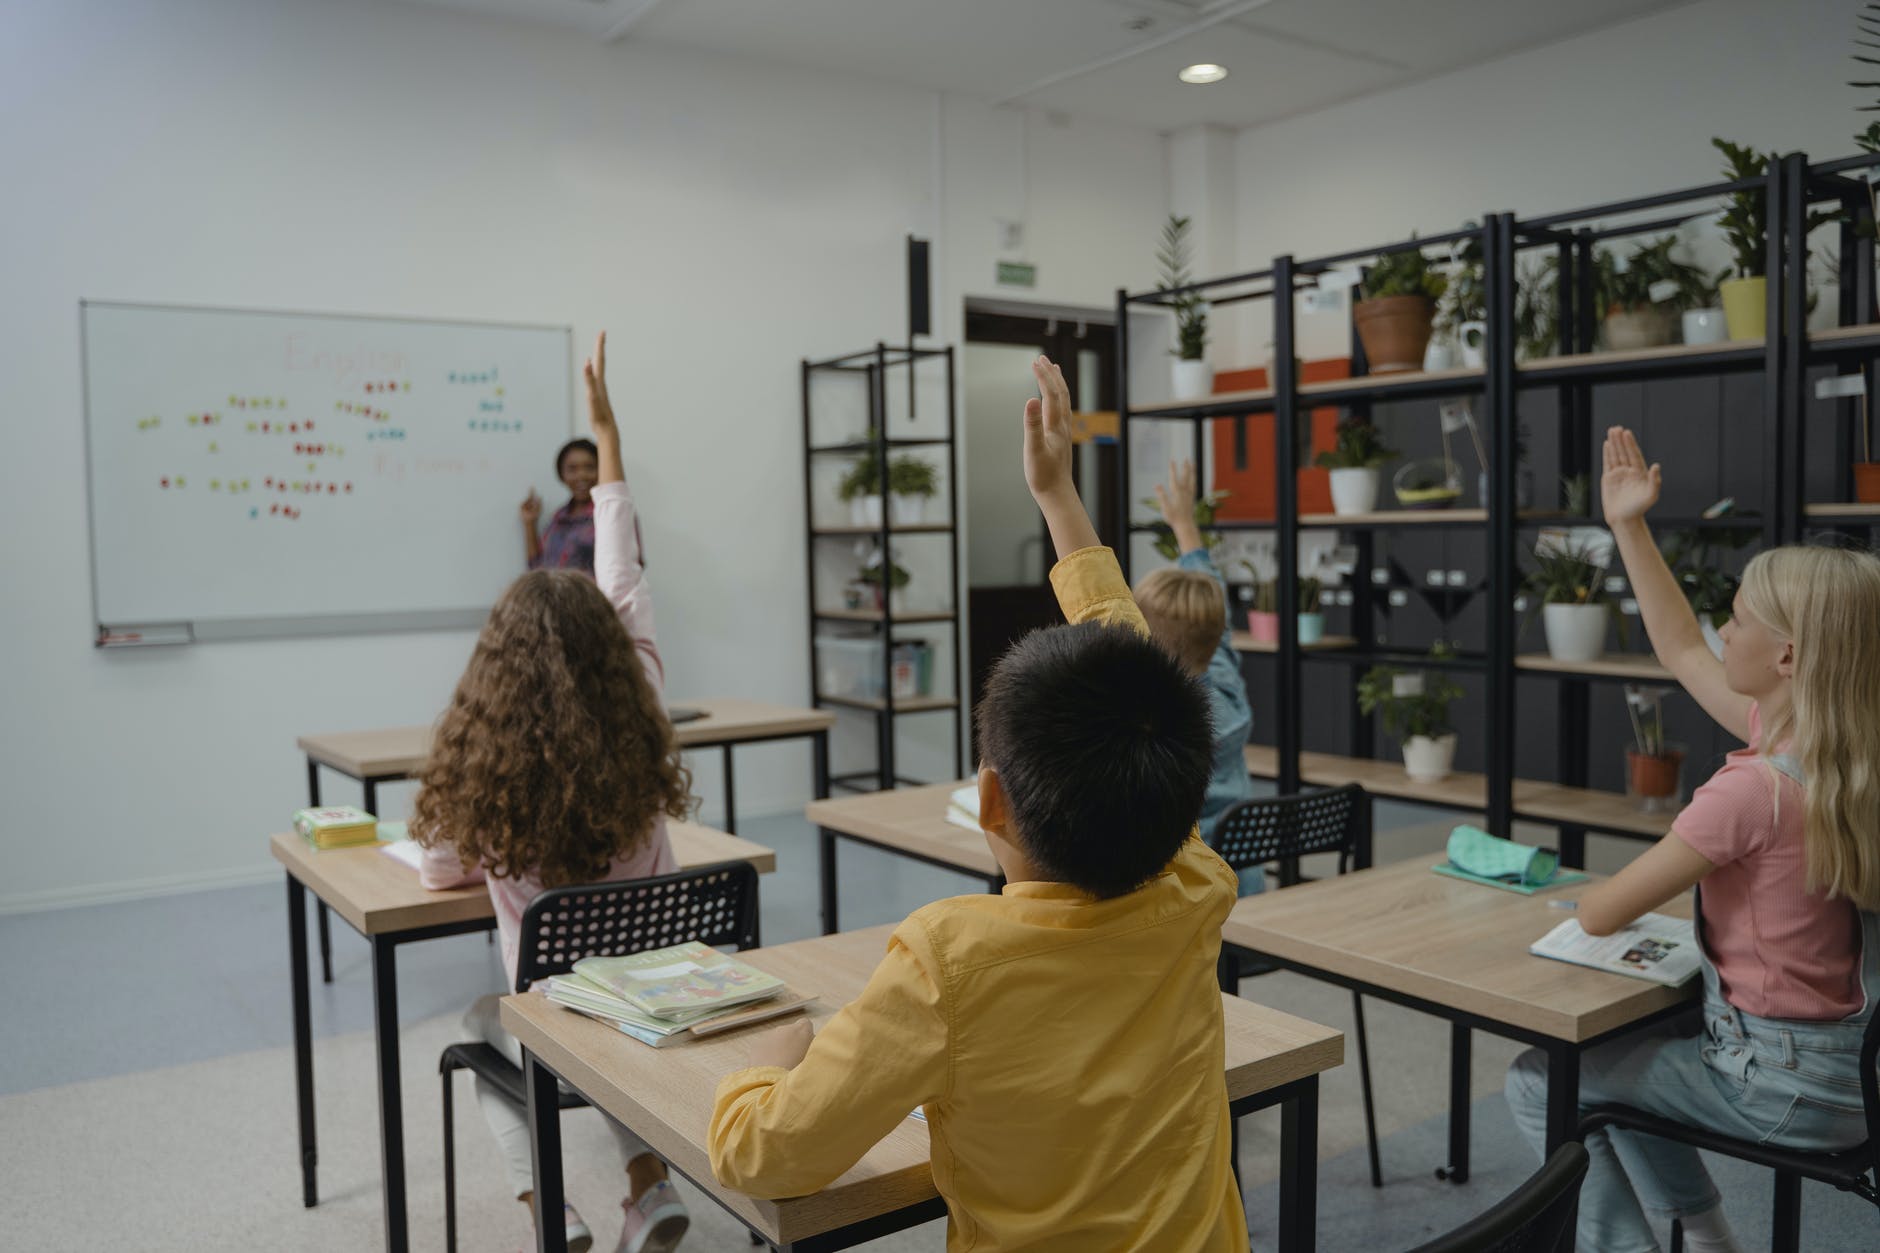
[1647,265]
[910,476]
[1311,594]
[1467,297]
[1576,495]
[1206,505]
[1266,596]
[1423,713]
[1692,554]
[1745,219]
[862,479]
[1360,446]
[1568,573]
[872,574]
[1537,307]
[1174,254]
[1868,24]
[1407,273]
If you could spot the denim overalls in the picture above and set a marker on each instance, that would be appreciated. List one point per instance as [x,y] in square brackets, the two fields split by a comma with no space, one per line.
[1779,1081]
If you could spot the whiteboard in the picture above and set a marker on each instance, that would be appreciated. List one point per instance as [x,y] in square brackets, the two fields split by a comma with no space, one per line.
[260,473]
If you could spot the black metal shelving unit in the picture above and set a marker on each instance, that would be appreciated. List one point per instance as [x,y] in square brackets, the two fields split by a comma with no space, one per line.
[1784,357]
[875,366]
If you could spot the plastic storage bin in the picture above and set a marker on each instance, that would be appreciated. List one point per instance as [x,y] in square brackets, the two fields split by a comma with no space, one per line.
[850,666]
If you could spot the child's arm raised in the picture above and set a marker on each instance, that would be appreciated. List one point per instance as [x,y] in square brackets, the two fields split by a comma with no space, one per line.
[1088,582]
[617,566]
[1628,489]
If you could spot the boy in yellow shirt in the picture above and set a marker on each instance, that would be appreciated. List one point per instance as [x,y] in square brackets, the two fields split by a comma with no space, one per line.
[1064,1037]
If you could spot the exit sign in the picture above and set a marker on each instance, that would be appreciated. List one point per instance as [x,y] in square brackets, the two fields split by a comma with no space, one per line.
[1017,274]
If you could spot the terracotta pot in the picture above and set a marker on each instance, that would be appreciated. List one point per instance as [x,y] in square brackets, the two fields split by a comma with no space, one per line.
[1395,331]
[1639,328]
[1867,482]
[1654,776]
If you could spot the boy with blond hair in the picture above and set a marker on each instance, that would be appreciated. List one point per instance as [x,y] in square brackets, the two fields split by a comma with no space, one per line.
[1186,608]
[1065,1037]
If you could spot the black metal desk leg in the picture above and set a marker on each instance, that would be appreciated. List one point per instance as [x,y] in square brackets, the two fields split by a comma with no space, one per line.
[326,926]
[391,1110]
[303,1038]
[1299,1168]
[826,857]
[1563,1094]
[819,747]
[545,1152]
[1459,1061]
[731,805]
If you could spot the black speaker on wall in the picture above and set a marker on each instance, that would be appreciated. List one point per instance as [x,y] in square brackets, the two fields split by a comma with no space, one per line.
[919,301]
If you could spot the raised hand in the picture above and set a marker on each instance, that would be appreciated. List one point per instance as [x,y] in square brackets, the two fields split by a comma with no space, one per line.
[594,373]
[531,509]
[1048,433]
[1176,499]
[1628,487]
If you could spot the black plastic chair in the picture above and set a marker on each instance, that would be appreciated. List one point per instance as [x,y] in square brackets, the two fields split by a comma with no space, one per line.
[1855,1170]
[1537,1217]
[714,905]
[1279,830]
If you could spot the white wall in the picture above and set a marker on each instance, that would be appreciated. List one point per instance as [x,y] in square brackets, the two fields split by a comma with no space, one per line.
[721,218]
[1622,112]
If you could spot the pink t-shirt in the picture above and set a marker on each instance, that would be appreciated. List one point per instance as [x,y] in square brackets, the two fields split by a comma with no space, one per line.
[618,571]
[1780,950]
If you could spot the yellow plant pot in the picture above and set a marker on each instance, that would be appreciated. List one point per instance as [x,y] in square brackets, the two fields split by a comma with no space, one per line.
[1746,306]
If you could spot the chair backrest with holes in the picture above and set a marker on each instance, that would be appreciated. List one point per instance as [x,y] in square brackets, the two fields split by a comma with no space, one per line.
[1284,828]
[713,905]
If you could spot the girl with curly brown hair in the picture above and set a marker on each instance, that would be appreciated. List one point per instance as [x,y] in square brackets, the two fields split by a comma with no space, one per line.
[555,765]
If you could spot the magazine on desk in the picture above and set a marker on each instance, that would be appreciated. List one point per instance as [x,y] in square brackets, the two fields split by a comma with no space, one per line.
[1655,947]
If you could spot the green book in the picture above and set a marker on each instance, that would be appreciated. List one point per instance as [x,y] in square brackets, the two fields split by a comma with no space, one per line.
[681,984]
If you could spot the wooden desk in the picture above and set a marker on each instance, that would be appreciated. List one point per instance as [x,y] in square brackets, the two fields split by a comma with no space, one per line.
[665,1096]
[392,753]
[909,821]
[381,900]
[1457,950]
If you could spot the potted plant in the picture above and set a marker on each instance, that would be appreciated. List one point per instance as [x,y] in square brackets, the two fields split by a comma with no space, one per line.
[910,482]
[1642,298]
[1745,225]
[1428,483]
[1311,609]
[1710,589]
[1569,581]
[1537,309]
[1462,314]
[1193,376]
[877,574]
[1206,506]
[860,487]
[1355,463]
[1263,617]
[1416,716]
[1398,310]
[1653,767]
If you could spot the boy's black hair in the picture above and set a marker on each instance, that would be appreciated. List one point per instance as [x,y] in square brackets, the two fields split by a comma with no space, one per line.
[573,445]
[1103,746]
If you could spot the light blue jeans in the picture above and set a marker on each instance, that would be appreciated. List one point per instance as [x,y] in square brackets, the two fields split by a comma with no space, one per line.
[1776,1081]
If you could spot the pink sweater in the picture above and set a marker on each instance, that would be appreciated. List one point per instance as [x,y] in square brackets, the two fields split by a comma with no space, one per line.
[618,572]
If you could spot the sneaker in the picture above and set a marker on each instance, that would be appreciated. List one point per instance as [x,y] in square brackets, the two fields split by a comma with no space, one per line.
[655,1223]
[580,1239]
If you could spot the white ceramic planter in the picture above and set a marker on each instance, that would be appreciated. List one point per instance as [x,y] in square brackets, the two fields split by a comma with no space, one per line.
[1574,632]
[865,511]
[1705,326]
[1192,380]
[908,510]
[1472,344]
[1440,355]
[1354,491]
[1827,314]
[1428,760]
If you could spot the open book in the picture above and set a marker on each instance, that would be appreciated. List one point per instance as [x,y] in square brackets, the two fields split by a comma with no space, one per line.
[963,807]
[1659,948]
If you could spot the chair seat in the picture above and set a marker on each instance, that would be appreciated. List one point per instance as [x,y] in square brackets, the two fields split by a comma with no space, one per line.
[488,1064]
[1846,1170]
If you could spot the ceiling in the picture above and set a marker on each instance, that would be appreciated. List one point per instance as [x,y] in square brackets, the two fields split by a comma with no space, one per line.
[1111,59]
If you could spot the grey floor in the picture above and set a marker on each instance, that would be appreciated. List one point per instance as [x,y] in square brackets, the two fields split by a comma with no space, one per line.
[152,1051]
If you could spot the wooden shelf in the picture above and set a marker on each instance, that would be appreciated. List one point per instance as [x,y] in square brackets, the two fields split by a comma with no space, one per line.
[1245,643]
[1586,807]
[1851,509]
[1639,666]
[902,704]
[1845,336]
[1669,360]
[1397,517]
[862,445]
[1255,398]
[922,528]
[1461,379]
[876,615]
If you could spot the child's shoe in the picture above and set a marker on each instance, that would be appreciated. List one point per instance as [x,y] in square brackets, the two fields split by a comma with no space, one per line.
[580,1239]
[655,1223]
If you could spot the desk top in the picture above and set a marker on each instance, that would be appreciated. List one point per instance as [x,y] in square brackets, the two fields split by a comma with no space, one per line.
[397,752]
[1458,944]
[379,895]
[912,820]
[665,1095]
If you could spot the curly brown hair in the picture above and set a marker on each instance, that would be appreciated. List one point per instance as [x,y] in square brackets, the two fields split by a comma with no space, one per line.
[555,757]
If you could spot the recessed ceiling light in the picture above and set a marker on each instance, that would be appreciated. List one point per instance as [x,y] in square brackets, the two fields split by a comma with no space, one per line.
[1203,73]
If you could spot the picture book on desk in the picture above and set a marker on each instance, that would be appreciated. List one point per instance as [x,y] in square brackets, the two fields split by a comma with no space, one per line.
[682,983]
[1661,949]
[586,997]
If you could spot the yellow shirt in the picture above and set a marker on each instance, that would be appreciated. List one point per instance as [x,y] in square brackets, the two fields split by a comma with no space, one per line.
[1068,1051]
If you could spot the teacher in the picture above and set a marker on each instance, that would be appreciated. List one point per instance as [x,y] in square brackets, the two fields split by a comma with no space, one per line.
[568,543]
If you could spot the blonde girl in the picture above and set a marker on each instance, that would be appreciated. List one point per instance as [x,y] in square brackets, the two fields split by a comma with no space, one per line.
[1783,843]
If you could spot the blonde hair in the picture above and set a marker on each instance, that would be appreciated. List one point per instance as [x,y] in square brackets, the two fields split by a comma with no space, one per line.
[1826,603]
[1186,611]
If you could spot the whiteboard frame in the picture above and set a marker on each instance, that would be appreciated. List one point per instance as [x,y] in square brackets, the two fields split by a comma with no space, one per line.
[206,630]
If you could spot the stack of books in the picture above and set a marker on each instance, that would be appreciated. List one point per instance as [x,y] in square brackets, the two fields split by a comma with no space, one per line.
[336,826]
[660,996]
